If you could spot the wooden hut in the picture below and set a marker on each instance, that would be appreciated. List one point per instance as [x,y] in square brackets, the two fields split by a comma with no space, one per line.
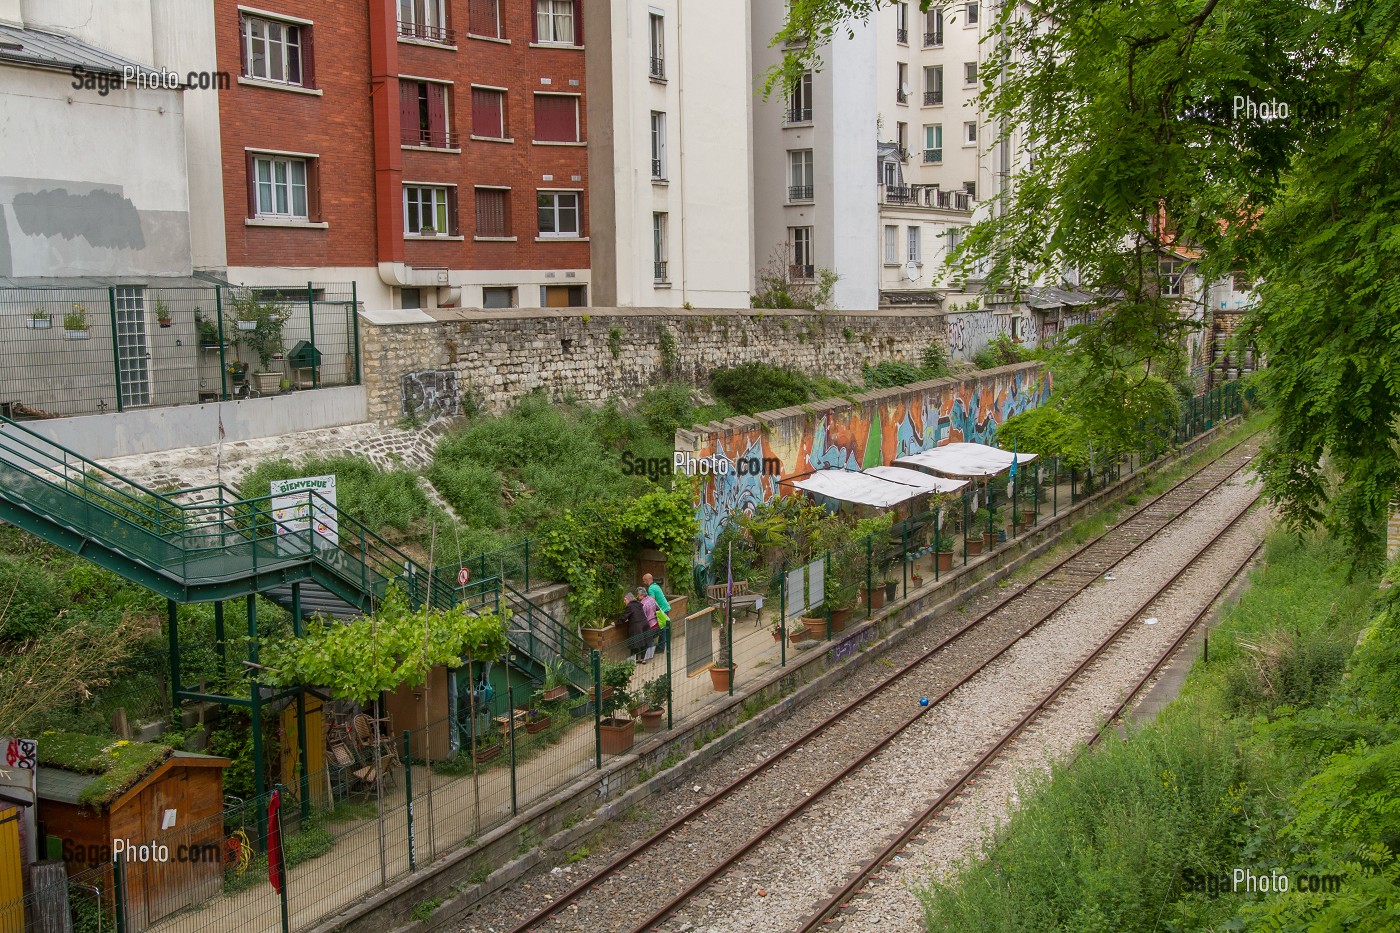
[126,795]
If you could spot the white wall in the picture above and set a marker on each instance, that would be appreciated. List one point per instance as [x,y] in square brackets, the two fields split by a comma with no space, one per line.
[853,222]
[120,26]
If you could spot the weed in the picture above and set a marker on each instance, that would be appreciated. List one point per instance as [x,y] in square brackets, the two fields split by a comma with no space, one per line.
[578,855]
[480,874]
[615,341]
[424,909]
[572,820]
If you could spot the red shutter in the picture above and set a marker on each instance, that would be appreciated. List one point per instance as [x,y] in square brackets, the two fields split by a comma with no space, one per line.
[408,113]
[556,118]
[486,113]
[534,20]
[313,190]
[484,18]
[437,114]
[308,58]
[578,22]
[490,212]
[252,172]
[453,227]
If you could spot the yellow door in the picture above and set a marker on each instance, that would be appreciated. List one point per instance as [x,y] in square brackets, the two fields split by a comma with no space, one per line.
[315,750]
[11,880]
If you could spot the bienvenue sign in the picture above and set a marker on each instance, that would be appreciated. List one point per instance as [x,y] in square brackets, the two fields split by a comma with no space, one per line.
[299,504]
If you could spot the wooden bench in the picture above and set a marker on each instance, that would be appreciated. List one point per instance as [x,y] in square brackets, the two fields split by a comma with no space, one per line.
[742,599]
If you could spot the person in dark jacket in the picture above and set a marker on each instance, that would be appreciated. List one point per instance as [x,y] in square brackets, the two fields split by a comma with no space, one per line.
[634,619]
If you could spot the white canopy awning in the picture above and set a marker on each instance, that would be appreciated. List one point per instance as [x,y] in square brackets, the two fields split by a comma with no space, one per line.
[964,460]
[856,488]
[924,482]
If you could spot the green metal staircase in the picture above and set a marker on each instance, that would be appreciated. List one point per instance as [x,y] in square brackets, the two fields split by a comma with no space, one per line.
[208,544]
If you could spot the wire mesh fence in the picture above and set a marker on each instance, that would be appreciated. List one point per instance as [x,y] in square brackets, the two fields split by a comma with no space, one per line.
[77,351]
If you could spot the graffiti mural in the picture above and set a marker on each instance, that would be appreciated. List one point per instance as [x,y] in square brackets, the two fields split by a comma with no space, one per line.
[432,394]
[894,424]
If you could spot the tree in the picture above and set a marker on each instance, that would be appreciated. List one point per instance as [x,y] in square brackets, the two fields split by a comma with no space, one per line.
[1145,120]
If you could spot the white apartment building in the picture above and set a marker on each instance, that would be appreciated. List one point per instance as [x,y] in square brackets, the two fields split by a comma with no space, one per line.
[669,111]
[875,165]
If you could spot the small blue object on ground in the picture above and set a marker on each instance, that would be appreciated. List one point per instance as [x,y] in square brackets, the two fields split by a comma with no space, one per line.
[923,701]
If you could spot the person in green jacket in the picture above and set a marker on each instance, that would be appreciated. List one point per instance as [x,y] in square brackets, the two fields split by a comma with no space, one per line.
[663,617]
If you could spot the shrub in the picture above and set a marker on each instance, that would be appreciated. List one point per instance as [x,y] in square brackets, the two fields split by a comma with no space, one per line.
[754,387]
[378,498]
[29,600]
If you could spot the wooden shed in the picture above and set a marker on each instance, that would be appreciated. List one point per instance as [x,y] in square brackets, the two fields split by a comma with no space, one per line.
[170,802]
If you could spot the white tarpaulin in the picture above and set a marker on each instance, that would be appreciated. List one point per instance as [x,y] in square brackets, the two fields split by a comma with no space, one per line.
[924,482]
[966,460]
[857,488]
[293,512]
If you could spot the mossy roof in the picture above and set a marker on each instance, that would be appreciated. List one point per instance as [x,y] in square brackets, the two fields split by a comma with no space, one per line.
[99,769]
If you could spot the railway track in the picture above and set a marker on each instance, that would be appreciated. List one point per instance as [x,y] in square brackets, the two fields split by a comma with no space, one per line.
[844,736]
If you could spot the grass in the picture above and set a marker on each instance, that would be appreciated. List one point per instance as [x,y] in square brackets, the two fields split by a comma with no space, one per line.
[116,764]
[578,855]
[424,909]
[1109,843]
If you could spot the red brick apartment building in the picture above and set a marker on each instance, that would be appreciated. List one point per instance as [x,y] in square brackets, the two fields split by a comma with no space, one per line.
[433,151]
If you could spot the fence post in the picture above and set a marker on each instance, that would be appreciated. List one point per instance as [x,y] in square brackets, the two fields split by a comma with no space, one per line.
[311,330]
[869,595]
[904,553]
[223,359]
[355,327]
[1055,489]
[116,351]
[597,709]
[782,614]
[119,894]
[527,565]
[1036,519]
[172,623]
[408,795]
[670,701]
[965,528]
[937,543]
[729,651]
[510,718]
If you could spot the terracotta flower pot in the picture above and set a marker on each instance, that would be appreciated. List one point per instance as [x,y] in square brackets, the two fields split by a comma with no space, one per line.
[816,627]
[797,634]
[974,546]
[651,720]
[839,618]
[617,735]
[719,678]
[876,598]
[537,725]
[945,560]
[915,581]
[558,693]
[487,752]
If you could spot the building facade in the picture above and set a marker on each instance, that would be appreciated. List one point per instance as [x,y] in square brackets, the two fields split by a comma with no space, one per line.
[669,106]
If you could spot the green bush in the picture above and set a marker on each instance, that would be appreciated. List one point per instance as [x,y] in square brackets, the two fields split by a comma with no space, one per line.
[755,387]
[472,489]
[378,498]
[1000,351]
[29,599]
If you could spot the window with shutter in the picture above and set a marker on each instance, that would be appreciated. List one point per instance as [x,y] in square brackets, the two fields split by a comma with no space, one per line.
[484,18]
[555,21]
[274,50]
[556,118]
[491,213]
[426,211]
[488,113]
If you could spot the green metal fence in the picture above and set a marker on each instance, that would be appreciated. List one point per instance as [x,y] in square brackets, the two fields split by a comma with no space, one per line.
[78,351]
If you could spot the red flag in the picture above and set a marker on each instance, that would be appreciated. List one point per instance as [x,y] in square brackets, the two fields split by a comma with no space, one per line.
[274,840]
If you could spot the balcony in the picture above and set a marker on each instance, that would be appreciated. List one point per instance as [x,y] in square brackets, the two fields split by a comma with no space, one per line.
[901,36]
[801,272]
[429,139]
[933,98]
[659,273]
[933,156]
[658,68]
[422,31]
[658,171]
[926,196]
[932,39]
[900,97]
[800,193]
[797,115]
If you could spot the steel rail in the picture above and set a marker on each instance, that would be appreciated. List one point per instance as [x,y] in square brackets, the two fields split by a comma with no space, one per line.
[562,902]
[842,898]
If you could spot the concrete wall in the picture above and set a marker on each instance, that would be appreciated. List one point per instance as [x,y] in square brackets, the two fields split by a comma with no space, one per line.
[497,357]
[149,430]
[879,427]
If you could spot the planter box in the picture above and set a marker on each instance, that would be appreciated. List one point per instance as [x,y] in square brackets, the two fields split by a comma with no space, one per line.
[267,383]
[797,634]
[247,325]
[558,693]
[945,560]
[38,323]
[486,753]
[603,638]
[537,725]
[617,736]
[76,334]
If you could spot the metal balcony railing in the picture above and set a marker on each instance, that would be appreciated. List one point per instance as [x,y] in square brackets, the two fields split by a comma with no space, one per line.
[440,34]
[429,139]
[799,192]
[933,156]
[901,36]
[659,272]
[933,38]
[927,195]
[931,98]
[658,171]
[658,67]
[900,97]
[798,115]
[799,271]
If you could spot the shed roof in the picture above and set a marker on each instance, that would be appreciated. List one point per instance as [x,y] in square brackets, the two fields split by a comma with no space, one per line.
[965,460]
[924,482]
[22,46]
[106,779]
[857,488]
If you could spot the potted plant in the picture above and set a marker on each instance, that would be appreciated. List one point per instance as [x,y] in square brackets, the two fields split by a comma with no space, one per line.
[815,626]
[75,324]
[488,746]
[776,629]
[556,683]
[945,554]
[427,231]
[915,579]
[38,320]
[722,671]
[536,720]
[263,337]
[891,589]
[163,317]
[977,532]
[655,692]
[206,331]
[617,730]
[797,634]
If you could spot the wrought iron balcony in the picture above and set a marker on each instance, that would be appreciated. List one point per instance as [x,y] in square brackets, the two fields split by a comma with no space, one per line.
[933,38]
[800,192]
[901,36]
[933,156]
[900,97]
[932,98]
[658,67]
[798,115]
[659,272]
[439,34]
[428,139]
[800,271]
[658,171]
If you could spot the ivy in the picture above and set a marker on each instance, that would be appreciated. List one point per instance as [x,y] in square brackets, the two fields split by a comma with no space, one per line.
[396,645]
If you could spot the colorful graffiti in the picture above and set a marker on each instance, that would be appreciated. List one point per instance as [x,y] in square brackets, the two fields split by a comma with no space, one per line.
[857,436]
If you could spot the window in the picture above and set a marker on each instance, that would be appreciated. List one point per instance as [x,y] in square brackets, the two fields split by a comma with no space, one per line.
[933,28]
[901,19]
[915,252]
[1171,272]
[484,18]
[410,298]
[800,101]
[423,115]
[280,190]
[559,213]
[658,45]
[970,133]
[1239,282]
[426,210]
[933,144]
[933,85]
[273,50]
[658,248]
[556,118]
[554,21]
[970,15]
[891,246]
[889,172]
[658,146]
[901,88]
[901,138]
[800,175]
[969,72]
[800,240]
[424,19]
[489,113]
[492,212]
[970,188]
[498,296]
[563,296]
[955,237]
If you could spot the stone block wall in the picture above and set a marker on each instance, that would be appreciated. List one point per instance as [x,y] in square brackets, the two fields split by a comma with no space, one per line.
[492,358]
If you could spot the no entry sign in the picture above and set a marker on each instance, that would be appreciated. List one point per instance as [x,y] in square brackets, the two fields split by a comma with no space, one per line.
[463,576]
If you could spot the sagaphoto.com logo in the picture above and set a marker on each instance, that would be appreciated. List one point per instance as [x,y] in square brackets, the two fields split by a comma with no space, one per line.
[105,82]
